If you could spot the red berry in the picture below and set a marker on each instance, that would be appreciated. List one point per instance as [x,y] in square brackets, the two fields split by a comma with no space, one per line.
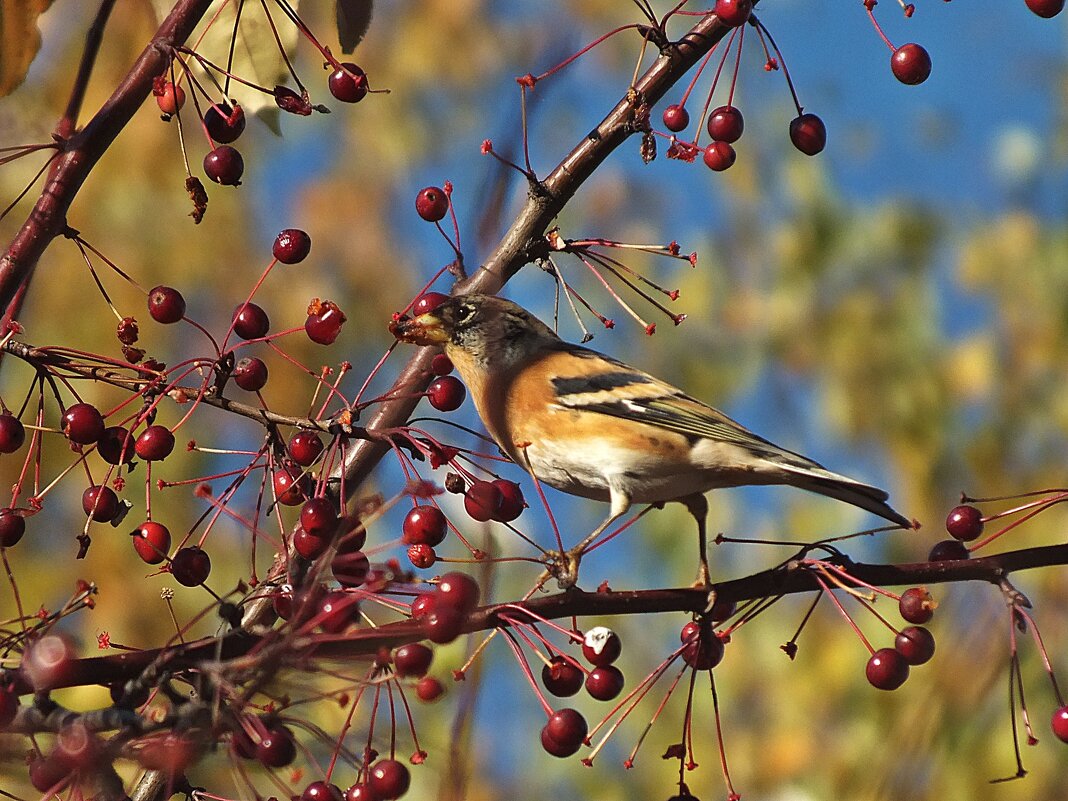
[276,748]
[446,394]
[250,321]
[965,523]
[427,302]
[170,99]
[564,733]
[12,433]
[324,322]
[412,660]
[916,605]
[224,123]
[250,374]
[350,568]
[916,644]
[337,610]
[116,445]
[601,646]
[224,165]
[725,124]
[422,556]
[911,64]
[703,650]
[308,545]
[1060,724]
[483,501]
[190,566]
[100,503]
[166,304]
[676,118]
[82,424]
[360,792]
[948,551]
[423,605]
[424,525]
[321,791]
[887,669]
[512,503]
[719,156]
[348,83]
[151,540]
[457,591]
[562,677]
[1046,9]
[305,447]
[292,246]
[429,689]
[442,625]
[290,484]
[319,517]
[389,779]
[808,133]
[734,12]
[12,527]
[441,364]
[49,774]
[604,683]
[154,444]
[432,204]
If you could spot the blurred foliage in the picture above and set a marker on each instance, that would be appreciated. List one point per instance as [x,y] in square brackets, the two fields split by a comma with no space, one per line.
[888,337]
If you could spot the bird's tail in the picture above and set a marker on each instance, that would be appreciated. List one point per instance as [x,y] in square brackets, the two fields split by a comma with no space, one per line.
[822,481]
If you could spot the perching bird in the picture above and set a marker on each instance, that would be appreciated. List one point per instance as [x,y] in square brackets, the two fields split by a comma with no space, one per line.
[593,426]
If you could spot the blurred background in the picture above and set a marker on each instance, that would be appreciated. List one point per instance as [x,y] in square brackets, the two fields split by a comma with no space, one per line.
[896,308]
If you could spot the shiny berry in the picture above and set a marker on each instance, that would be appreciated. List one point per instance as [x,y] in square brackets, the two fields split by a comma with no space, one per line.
[725,124]
[424,525]
[292,246]
[151,540]
[360,792]
[427,302]
[887,669]
[276,748]
[348,83]
[337,611]
[601,646]
[429,689]
[250,321]
[447,393]
[432,204]
[224,123]
[224,165]
[290,484]
[389,779]
[512,502]
[321,791]
[733,12]
[564,733]
[441,364]
[965,523]
[308,545]
[916,605]
[12,433]
[324,322]
[422,556]
[82,424]
[702,649]
[719,156]
[305,447]
[604,683]
[1046,9]
[808,133]
[562,677]
[948,551]
[457,591]
[442,625]
[154,444]
[190,566]
[1060,724]
[423,605]
[116,445]
[676,118]
[911,64]
[250,374]
[12,527]
[412,660]
[100,503]
[916,644]
[319,517]
[166,304]
[482,501]
[170,99]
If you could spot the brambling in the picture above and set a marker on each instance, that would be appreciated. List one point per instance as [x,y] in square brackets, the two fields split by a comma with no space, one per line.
[592,426]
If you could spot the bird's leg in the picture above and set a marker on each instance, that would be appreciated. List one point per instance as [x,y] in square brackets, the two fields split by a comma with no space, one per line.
[566,570]
[697,505]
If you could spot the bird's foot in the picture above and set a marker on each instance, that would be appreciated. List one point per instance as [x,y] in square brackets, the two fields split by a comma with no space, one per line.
[564,568]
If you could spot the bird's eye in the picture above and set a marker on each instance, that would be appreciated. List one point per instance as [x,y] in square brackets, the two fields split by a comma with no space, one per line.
[463,313]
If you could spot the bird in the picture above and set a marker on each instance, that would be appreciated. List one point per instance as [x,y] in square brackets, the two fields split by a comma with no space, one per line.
[591,425]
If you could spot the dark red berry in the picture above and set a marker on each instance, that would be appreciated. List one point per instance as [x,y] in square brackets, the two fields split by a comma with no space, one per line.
[676,118]
[512,502]
[350,568]
[424,525]
[292,246]
[324,322]
[82,424]
[564,732]
[412,660]
[389,779]
[224,122]
[442,624]
[601,646]
[190,566]
[432,204]
[305,447]
[49,774]
[322,791]
[562,677]
[887,669]
[808,133]
[446,394]
[154,444]
[166,304]
[12,527]
[319,517]
[483,501]
[250,321]
[722,609]
[911,64]
[734,12]
[250,374]
[965,523]
[288,100]
[1046,9]
[9,705]
[116,445]
[151,540]
[725,124]
[348,83]
[422,556]
[423,605]
[702,650]
[276,748]
[604,683]
[427,302]
[224,165]
[948,551]
[429,689]
[719,156]
[337,610]
[916,605]
[457,591]
[12,433]
[100,503]
[170,98]
[441,364]
[916,644]
[1060,724]
[360,792]
[308,545]
[290,484]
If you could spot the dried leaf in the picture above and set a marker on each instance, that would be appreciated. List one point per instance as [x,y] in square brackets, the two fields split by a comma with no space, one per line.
[353,20]
[19,40]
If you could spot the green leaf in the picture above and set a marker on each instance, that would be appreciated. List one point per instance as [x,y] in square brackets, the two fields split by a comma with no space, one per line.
[19,40]
[353,20]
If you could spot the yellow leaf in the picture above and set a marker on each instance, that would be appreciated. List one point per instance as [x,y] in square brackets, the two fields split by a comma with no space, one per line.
[19,40]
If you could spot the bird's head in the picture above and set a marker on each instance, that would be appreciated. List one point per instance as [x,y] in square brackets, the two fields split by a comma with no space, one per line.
[486,329]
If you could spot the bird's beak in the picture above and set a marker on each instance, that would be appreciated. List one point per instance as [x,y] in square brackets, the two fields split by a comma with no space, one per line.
[426,329]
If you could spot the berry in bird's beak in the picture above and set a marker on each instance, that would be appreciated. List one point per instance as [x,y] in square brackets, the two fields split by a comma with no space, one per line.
[426,329]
